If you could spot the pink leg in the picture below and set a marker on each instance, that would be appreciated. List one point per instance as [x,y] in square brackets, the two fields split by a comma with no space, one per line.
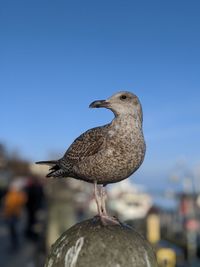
[100,197]
[97,199]
[103,200]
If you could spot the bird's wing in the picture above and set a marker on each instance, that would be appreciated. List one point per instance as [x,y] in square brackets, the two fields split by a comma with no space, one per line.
[87,144]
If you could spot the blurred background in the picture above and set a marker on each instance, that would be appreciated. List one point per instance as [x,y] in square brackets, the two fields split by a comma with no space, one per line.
[56,57]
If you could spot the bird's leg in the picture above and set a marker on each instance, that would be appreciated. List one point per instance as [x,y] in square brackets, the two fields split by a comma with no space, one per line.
[97,199]
[103,200]
[100,197]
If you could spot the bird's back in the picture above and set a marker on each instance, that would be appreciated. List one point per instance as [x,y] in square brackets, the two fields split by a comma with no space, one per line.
[85,146]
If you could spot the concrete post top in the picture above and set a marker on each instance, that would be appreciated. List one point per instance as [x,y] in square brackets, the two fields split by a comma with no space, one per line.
[90,244]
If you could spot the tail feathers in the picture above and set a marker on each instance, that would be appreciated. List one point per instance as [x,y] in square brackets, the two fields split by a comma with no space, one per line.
[48,162]
[55,169]
[56,173]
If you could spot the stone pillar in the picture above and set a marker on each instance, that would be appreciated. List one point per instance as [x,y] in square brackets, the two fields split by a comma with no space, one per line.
[90,244]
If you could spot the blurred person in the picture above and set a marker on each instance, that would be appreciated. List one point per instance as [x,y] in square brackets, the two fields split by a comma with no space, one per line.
[35,200]
[14,202]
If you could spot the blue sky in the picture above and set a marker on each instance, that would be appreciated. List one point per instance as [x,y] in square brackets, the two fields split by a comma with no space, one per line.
[58,56]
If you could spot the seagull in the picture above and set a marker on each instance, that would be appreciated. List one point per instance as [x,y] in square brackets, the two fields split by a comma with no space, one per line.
[106,154]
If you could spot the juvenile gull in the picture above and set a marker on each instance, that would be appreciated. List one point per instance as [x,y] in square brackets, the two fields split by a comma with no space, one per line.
[106,154]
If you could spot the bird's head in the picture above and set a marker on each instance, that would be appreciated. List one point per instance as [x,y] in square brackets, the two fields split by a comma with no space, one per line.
[121,103]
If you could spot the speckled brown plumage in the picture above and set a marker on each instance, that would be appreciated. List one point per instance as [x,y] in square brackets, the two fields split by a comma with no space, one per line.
[109,153]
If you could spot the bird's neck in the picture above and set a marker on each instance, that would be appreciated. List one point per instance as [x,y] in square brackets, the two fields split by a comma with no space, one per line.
[127,120]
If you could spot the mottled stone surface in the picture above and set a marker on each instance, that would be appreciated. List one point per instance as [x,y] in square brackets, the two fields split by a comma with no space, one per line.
[89,244]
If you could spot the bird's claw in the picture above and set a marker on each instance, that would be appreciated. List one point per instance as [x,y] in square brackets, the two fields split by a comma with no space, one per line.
[109,220]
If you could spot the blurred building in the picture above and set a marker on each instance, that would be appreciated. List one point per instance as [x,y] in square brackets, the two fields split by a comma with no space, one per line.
[129,201]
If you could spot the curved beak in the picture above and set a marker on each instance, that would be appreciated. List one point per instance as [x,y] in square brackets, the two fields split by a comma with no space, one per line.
[99,104]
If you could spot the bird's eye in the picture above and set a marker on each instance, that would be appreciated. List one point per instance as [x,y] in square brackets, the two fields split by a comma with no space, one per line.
[122,97]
